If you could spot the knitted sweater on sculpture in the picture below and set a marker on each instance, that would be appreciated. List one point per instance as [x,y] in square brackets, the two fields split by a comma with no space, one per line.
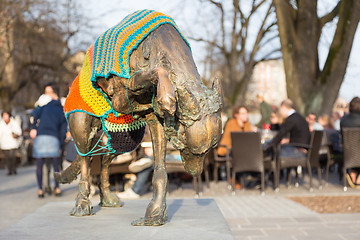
[110,56]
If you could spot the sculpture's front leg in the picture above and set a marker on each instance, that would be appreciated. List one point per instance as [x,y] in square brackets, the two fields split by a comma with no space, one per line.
[156,211]
[107,198]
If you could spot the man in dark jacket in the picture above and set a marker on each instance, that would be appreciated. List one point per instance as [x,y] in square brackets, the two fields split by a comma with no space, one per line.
[294,126]
[352,120]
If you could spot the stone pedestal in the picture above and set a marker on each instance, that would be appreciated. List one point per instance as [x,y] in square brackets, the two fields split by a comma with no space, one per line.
[187,219]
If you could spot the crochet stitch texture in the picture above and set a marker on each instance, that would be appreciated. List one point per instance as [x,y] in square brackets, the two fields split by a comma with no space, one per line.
[110,55]
[113,48]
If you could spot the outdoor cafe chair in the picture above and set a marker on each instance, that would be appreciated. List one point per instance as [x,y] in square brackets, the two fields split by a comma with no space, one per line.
[334,154]
[351,149]
[248,156]
[317,140]
[222,161]
[311,157]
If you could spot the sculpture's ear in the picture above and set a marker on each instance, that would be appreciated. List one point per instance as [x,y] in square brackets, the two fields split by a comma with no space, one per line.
[143,54]
[103,84]
[146,48]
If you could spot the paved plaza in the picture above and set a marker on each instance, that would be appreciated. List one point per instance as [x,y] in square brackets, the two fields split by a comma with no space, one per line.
[249,214]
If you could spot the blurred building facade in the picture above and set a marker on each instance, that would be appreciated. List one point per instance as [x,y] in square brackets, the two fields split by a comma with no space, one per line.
[268,80]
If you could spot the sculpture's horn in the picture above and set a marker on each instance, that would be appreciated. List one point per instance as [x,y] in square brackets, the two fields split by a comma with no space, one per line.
[217,90]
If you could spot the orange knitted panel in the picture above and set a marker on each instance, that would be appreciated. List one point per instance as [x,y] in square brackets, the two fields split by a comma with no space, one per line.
[74,100]
[121,119]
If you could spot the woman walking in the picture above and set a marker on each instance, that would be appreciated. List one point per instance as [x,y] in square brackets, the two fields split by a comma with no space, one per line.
[49,131]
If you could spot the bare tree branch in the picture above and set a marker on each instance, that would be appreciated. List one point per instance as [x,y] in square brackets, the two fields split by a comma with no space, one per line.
[267,41]
[330,16]
[212,43]
[222,22]
[266,56]
[262,31]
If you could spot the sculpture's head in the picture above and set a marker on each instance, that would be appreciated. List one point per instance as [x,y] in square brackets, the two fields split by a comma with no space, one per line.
[195,126]
[192,113]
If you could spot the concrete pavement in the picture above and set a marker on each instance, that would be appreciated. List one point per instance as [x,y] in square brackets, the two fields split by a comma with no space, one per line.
[249,215]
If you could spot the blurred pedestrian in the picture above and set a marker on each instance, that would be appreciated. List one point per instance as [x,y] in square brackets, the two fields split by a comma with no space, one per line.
[265,111]
[49,131]
[10,131]
[44,99]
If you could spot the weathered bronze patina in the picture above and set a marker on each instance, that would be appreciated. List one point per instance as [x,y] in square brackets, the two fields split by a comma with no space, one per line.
[182,110]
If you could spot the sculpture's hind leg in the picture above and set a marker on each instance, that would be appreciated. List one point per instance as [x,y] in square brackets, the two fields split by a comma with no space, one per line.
[107,198]
[83,128]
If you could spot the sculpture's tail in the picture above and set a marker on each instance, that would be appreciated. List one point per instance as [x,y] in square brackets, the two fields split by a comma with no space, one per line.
[70,173]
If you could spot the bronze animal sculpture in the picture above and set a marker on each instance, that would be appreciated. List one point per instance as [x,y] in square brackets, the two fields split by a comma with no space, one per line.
[166,91]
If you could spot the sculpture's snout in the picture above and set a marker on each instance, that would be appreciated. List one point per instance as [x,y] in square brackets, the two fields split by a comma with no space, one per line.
[204,134]
[193,163]
[200,138]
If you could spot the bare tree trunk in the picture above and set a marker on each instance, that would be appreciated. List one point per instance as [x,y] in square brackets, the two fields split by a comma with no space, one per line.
[300,28]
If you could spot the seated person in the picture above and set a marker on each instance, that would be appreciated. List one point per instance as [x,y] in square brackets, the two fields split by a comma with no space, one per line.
[239,123]
[313,124]
[296,127]
[352,120]
[142,167]
[275,122]
[333,137]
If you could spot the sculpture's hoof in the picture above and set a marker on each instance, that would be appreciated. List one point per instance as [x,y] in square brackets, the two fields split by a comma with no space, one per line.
[150,221]
[111,200]
[82,208]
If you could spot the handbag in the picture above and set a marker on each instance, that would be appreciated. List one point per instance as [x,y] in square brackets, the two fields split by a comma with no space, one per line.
[71,151]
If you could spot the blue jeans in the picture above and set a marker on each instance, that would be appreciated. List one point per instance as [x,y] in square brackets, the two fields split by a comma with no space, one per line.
[141,178]
[291,152]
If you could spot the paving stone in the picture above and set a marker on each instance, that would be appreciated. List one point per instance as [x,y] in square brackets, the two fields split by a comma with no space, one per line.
[271,225]
[302,225]
[308,219]
[331,231]
[340,217]
[248,233]
[273,238]
[324,236]
[284,232]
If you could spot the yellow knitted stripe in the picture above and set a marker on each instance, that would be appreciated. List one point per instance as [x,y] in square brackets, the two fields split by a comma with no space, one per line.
[88,93]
